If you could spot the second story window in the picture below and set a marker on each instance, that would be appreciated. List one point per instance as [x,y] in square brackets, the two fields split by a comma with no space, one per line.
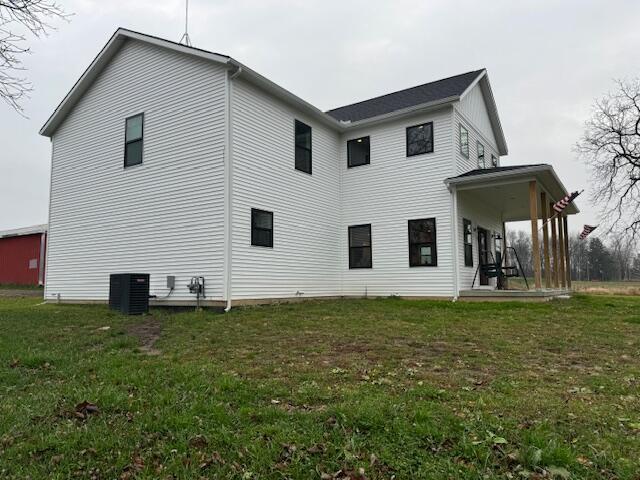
[420,139]
[494,161]
[303,147]
[464,141]
[481,163]
[261,228]
[133,140]
[422,243]
[360,246]
[358,152]
[468,245]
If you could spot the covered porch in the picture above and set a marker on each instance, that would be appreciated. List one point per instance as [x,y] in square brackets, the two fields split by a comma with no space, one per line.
[495,197]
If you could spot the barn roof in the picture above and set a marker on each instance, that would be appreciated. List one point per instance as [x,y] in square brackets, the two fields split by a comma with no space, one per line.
[18,232]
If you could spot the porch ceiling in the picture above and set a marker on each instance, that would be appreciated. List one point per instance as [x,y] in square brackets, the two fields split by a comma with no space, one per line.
[506,189]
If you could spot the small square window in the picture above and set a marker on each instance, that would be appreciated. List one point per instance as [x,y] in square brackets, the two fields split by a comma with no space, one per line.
[420,139]
[303,147]
[358,152]
[481,163]
[261,228]
[360,246]
[464,141]
[133,140]
[494,161]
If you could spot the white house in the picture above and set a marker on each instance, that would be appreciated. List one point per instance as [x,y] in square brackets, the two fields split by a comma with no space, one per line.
[175,161]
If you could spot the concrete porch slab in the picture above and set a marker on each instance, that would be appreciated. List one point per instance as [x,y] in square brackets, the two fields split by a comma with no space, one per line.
[513,295]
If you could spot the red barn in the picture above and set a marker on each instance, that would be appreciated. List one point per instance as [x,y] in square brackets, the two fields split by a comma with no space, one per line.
[22,255]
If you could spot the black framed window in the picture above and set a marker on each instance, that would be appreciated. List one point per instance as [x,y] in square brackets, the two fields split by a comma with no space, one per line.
[422,243]
[133,140]
[360,246]
[467,240]
[494,161]
[303,147]
[464,141]
[261,228]
[358,152]
[420,139]
[481,163]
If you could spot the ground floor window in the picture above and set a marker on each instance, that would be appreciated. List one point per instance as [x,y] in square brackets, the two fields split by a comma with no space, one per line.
[468,246]
[261,228]
[360,246]
[422,243]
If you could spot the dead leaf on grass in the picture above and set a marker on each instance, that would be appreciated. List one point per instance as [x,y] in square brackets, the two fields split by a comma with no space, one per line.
[198,442]
[84,409]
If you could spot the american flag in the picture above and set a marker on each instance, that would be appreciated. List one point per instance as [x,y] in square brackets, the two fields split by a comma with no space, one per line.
[586,231]
[561,204]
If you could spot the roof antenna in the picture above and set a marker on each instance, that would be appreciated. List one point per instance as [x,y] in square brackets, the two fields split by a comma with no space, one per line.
[185,36]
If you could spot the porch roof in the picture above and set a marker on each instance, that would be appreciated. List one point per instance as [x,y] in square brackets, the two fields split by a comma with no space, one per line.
[506,188]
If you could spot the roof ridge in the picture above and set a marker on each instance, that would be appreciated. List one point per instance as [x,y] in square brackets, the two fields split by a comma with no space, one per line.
[477,72]
[173,42]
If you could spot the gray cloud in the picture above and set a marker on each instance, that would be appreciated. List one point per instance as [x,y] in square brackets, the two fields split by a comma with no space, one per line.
[547,61]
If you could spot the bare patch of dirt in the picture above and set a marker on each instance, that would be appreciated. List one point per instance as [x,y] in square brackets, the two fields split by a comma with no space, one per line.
[147,332]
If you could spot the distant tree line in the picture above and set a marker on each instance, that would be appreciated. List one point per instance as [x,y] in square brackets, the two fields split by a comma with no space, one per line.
[591,259]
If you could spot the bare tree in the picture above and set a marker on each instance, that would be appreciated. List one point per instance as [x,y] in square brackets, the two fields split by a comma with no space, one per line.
[611,147]
[17,19]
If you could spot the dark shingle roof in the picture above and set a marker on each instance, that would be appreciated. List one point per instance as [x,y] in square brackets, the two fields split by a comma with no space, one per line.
[484,171]
[429,92]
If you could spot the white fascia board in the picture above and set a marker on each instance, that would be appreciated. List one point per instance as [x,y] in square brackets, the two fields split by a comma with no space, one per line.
[283,94]
[492,108]
[510,176]
[413,110]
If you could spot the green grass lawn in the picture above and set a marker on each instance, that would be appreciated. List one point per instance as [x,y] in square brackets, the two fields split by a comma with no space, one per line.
[326,389]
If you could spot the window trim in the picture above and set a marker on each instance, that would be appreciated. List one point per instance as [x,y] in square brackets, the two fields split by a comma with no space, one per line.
[434,245]
[407,139]
[370,247]
[494,161]
[296,146]
[468,262]
[253,244]
[460,128]
[484,157]
[126,143]
[368,162]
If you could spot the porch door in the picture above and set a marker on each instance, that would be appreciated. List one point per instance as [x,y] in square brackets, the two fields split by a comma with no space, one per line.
[483,254]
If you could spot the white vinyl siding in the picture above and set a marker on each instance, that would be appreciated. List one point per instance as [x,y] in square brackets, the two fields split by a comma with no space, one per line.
[480,216]
[473,107]
[387,193]
[471,112]
[305,258]
[162,217]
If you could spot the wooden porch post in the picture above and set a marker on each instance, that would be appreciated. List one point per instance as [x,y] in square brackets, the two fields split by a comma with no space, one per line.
[545,240]
[554,246]
[566,251]
[563,278]
[535,244]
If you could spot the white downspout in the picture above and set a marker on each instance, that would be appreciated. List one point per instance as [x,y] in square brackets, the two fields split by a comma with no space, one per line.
[228,187]
[454,225]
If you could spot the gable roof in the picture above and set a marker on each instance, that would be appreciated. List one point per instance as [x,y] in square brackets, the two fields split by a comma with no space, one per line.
[429,92]
[421,98]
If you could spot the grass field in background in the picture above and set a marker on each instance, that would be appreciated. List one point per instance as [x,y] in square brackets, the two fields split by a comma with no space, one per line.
[323,389]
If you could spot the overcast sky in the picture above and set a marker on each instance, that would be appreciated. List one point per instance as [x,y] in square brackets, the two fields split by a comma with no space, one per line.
[547,61]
